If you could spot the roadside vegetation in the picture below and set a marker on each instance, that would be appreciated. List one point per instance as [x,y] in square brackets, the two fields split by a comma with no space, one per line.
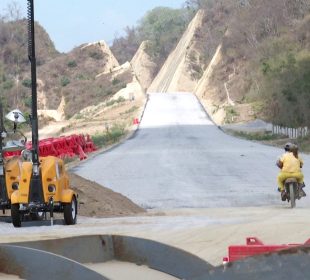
[273,139]
[110,136]
[265,56]
[257,136]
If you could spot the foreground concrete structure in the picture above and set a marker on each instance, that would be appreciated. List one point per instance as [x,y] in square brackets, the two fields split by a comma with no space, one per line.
[72,258]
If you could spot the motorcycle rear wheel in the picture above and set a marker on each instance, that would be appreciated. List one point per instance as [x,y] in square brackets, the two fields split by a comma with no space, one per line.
[292,195]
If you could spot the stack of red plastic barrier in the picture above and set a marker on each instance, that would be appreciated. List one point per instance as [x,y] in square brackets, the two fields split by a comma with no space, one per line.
[63,146]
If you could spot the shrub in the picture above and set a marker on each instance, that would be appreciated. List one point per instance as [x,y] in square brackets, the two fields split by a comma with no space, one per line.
[78,116]
[111,136]
[113,101]
[28,101]
[27,83]
[115,81]
[8,84]
[259,136]
[230,114]
[96,55]
[72,64]
[131,110]
[81,77]
[64,81]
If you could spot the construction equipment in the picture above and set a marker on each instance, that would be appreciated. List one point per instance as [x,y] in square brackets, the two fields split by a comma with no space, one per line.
[44,184]
[10,170]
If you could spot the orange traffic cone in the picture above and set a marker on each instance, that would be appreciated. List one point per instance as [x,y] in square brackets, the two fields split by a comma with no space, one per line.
[136,121]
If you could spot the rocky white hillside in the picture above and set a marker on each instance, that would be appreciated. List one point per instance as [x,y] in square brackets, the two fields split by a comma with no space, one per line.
[143,66]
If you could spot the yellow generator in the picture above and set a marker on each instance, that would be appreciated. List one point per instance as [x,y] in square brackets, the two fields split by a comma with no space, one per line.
[51,193]
[9,182]
[43,185]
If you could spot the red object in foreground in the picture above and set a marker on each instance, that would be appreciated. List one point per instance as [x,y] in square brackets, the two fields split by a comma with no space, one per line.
[255,247]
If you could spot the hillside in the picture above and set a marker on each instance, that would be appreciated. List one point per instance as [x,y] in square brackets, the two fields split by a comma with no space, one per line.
[14,63]
[244,60]
[85,85]
[248,77]
[73,77]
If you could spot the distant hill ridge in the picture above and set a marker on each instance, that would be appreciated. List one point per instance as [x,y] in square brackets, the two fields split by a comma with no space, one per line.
[243,59]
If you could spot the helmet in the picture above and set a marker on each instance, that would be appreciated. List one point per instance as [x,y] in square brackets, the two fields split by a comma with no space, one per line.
[294,148]
[288,146]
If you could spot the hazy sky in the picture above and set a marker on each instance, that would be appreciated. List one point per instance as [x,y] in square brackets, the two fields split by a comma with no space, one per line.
[71,23]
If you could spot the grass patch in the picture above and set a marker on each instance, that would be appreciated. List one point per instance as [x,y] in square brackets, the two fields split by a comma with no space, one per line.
[64,81]
[118,100]
[231,114]
[72,64]
[259,136]
[131,110]
[78,116]
[112,136]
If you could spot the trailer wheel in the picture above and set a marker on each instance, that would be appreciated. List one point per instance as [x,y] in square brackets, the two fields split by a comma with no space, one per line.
[16,220]
[70,212]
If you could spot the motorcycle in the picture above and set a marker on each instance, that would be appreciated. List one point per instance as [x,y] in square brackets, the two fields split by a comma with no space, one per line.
[293,191]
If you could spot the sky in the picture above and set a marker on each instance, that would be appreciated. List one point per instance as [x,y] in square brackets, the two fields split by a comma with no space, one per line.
[71,23]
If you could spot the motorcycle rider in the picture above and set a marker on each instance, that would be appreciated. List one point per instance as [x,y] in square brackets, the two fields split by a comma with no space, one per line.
[294,150]
[290,164]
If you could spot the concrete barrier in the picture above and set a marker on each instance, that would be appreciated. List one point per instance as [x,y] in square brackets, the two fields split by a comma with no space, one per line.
[103,248]
[33,264]
[66,256]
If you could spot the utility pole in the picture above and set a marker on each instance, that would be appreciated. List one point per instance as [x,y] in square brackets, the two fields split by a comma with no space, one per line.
[34,113]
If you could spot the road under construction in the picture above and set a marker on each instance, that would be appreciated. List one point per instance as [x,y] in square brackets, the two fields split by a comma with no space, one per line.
[201,199]
[204,190]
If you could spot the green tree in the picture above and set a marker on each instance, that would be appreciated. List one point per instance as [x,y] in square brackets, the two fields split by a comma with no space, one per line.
[163,27]
[124,48]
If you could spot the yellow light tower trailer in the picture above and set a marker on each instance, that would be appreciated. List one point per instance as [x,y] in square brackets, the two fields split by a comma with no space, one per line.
[44,184]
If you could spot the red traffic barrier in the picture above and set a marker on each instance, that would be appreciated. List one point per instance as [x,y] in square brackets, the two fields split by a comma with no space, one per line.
[63,146]
[11,154]
[255,247]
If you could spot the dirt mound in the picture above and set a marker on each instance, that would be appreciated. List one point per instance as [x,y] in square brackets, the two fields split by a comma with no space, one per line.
[98,201]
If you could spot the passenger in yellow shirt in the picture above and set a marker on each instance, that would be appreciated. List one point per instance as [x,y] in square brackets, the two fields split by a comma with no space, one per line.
[290,164]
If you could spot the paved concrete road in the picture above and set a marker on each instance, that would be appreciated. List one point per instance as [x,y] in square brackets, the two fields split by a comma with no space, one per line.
[179,159]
